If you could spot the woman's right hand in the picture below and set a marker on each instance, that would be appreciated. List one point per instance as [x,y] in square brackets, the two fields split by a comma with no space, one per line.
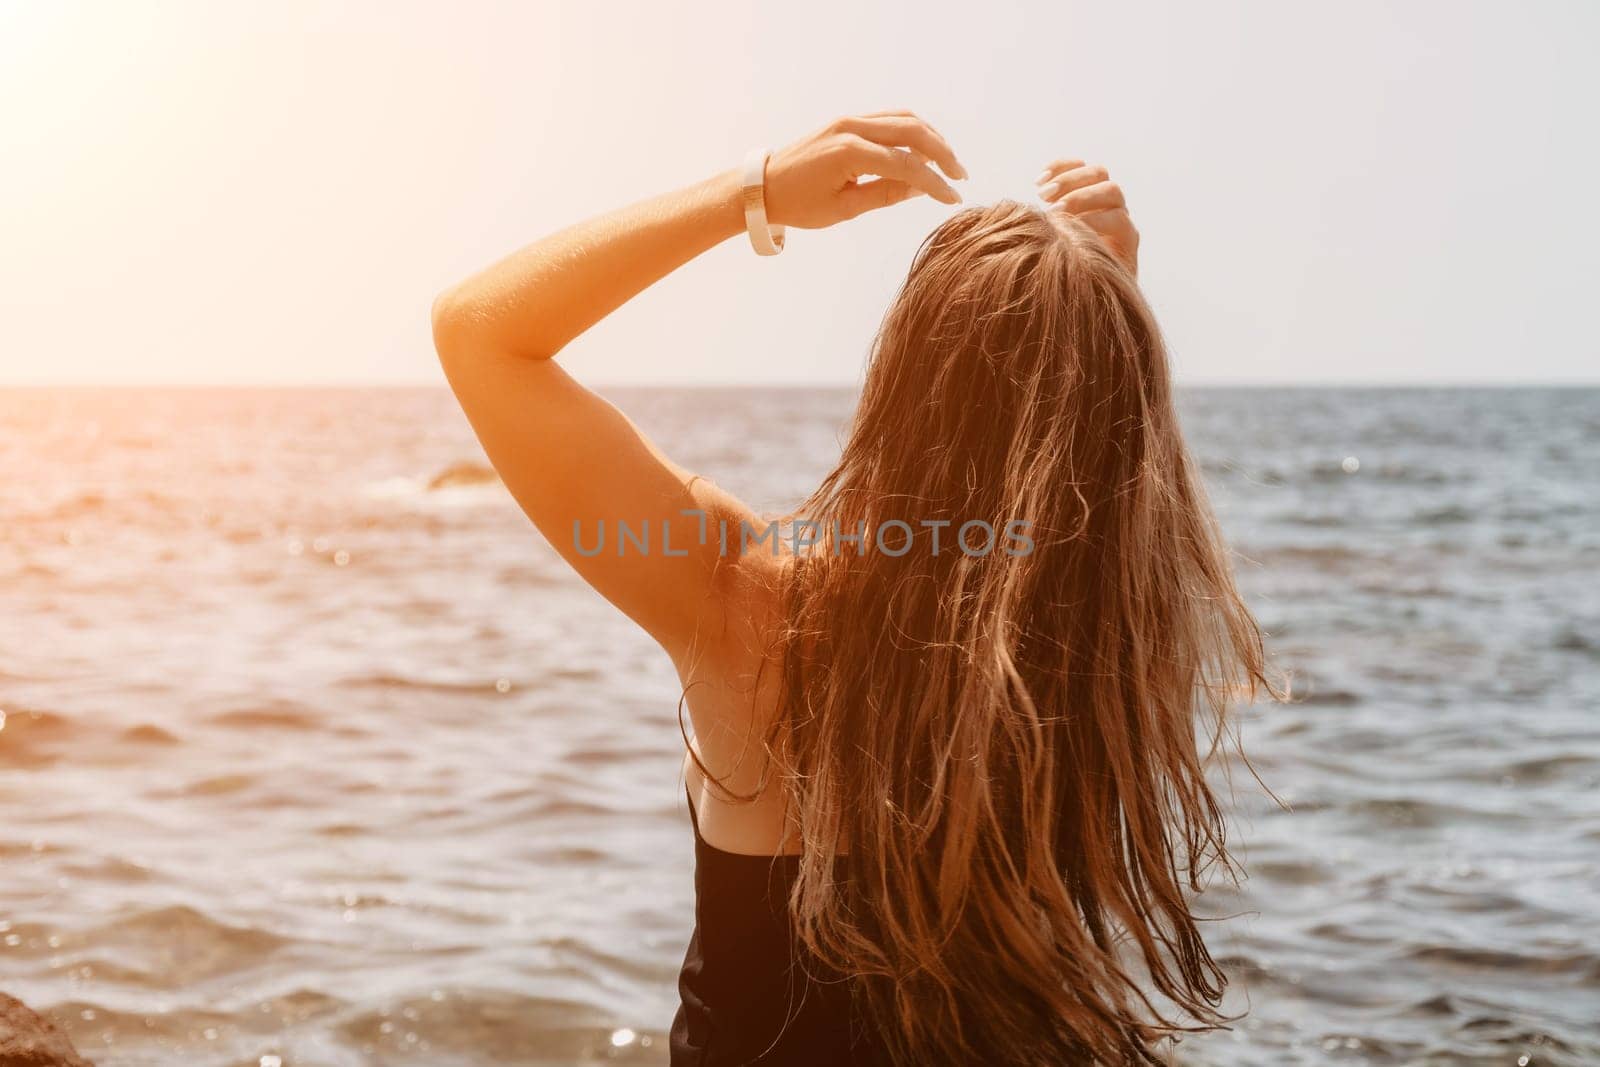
[1087,193]
[816,181]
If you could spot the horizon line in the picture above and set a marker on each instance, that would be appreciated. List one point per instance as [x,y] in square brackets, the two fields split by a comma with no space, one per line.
[1204,383]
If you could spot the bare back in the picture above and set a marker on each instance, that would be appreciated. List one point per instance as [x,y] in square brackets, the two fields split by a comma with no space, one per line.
[732,690]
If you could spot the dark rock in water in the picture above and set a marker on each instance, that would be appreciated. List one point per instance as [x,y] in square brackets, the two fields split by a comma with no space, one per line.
[27,1039]
[458,474]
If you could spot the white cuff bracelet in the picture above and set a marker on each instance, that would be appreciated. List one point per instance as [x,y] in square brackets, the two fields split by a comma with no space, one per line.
[766,240]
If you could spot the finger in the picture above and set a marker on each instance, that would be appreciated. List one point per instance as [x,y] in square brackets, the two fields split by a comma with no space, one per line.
[1055,167]
[1102,196]
[908,131]
[1074,178]
[872,158]
[918,157]
[861,197]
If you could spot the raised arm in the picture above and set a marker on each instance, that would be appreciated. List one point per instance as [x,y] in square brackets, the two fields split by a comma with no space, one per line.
[571,459]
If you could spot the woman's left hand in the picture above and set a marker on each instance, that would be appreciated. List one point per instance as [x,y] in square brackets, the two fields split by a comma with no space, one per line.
[816,181]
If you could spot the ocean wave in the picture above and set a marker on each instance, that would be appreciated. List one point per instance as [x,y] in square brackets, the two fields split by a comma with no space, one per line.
[463,484]
[538,804]
[492,1026]
[116,870]
[1331,696]
[460,475]
[148,733]
[1331,471]
[385,680]
[1411,812]
[1481,958]
[1444,515]
[76,505]
[96,504]
[1316,520]
[32,737]
[1290,872]
[1549,768]
[287,717]
[1571,639]
[187,943]
[215,785]
[1342,557]
[97,1028]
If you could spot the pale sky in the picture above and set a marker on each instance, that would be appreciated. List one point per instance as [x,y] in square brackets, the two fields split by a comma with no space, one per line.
[273,193]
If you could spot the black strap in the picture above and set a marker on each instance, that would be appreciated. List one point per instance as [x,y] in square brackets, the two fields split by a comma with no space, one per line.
[694,820]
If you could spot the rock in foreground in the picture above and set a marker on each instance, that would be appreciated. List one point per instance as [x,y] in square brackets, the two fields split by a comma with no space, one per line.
[27,1039]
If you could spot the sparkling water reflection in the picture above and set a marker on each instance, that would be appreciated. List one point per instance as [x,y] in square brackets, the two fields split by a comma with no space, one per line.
[312,753]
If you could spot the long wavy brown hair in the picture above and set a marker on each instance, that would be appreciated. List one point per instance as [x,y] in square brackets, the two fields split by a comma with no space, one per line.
[996,760]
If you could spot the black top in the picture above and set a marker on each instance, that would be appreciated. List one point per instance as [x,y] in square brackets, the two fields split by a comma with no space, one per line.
[747,997]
